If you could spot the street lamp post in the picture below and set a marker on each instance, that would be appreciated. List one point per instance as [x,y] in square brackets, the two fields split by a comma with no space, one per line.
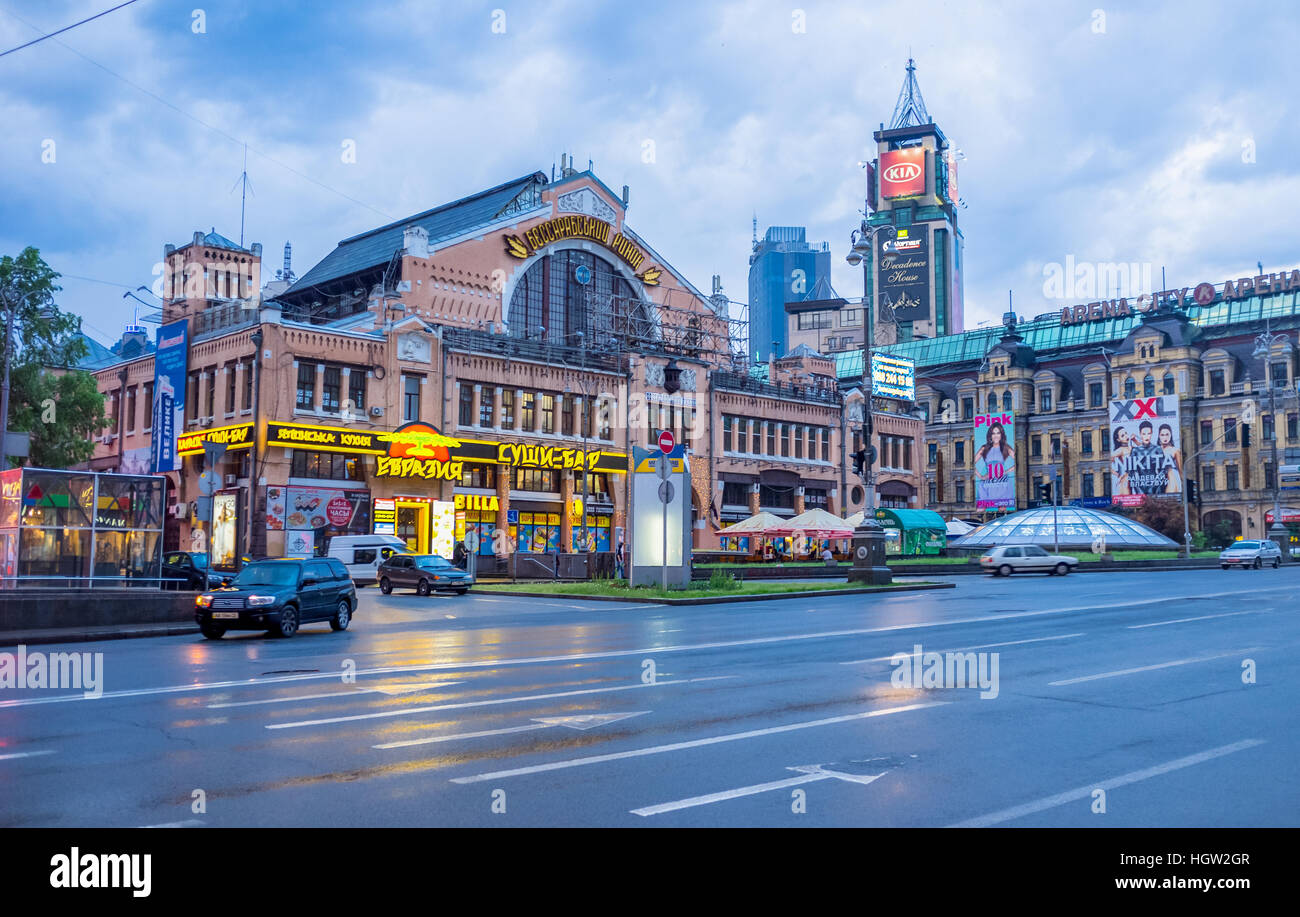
[257,339]
[869,538]
[1264,344]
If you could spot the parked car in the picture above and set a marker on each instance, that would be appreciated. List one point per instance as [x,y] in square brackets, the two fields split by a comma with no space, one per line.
[362,554]
[189,570]
[279,596]
[1007,559]
[424,573]
[1254,554]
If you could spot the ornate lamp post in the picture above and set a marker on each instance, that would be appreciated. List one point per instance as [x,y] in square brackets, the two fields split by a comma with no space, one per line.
[868,537]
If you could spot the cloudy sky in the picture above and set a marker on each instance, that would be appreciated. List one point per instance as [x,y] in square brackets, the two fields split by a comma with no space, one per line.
[1163,134]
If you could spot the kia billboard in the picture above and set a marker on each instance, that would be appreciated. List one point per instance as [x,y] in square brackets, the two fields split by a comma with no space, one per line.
[904,274]
[902,173]
[1146,457]
[995,461]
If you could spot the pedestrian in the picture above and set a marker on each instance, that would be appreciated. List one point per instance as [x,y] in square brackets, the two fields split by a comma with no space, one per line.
[619,568]
[458,555]
[827,557]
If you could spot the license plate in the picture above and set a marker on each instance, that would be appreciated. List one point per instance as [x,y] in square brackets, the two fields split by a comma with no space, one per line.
[225,616]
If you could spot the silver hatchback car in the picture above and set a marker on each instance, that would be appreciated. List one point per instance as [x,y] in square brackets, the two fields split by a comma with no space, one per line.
[1254,554]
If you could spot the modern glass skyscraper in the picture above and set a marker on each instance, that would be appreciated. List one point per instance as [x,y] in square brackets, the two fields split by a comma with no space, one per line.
[783,268]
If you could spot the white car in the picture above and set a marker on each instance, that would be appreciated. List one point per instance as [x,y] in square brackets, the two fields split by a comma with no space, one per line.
[1254,554]
[1007,559]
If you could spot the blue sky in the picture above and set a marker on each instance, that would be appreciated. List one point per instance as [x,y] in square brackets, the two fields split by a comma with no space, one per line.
[1163,134]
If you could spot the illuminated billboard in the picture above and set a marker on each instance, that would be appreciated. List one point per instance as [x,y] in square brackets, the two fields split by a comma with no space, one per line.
[893,377]
[902,173]
[904,274]
[1146,458]
[995,461]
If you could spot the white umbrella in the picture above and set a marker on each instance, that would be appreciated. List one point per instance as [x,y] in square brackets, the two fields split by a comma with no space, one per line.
[815,523]
[756,524]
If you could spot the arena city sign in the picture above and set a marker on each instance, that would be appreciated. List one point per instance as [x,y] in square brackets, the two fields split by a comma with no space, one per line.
[1203,294]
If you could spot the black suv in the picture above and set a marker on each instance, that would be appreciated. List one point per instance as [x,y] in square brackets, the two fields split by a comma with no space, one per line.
[279,596]
[189,570]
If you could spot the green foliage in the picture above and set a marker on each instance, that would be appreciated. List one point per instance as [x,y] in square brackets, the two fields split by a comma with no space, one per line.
[62,410]
[1220,534]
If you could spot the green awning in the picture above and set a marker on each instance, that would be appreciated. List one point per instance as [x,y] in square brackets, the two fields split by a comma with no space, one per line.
[911,519]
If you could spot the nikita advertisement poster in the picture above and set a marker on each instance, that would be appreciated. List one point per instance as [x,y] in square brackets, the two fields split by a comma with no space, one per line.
[995,461]
[1145,452]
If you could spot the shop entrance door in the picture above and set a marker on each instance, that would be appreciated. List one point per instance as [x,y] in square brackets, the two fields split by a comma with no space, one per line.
[413,526]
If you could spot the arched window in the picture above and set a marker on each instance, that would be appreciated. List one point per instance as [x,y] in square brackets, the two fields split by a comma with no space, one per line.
[1006,401]
[1148,386]
[1168,384]
[552,295]
[1130,388]
[993,402]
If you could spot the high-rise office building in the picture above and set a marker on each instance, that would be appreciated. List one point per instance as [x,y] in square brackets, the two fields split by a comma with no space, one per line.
[784,267]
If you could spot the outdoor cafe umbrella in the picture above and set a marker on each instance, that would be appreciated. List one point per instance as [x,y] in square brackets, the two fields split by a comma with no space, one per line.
[757,524]
[814,523]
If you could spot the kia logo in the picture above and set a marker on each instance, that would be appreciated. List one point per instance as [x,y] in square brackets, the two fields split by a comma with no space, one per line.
[903,171]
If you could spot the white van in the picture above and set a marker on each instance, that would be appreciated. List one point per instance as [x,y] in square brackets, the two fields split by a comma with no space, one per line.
[362,554]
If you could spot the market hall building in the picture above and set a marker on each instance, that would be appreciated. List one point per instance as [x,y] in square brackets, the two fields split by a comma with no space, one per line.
[481,369]
[1067,380]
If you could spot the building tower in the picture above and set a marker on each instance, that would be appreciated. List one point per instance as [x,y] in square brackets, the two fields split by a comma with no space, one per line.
[784,267]
[916,275]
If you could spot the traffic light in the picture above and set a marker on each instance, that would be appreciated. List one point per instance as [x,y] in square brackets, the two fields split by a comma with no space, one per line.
[1193,492]
[1245,435]
[1045,491]
[863,459]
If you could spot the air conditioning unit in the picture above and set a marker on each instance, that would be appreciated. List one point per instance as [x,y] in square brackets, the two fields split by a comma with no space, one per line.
[230,479]
[376,411]
[205,421]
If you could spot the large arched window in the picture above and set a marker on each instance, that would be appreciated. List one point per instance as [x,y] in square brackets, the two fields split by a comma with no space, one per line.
[1006,401]
[1148,386]
[567,292]
[993,402]
[1168,384]
[1130,388]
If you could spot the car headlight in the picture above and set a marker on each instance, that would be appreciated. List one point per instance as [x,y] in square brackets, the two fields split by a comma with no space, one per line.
[255,600]
[203,601]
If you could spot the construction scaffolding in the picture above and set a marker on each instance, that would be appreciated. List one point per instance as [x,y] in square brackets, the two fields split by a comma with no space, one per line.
[681,325]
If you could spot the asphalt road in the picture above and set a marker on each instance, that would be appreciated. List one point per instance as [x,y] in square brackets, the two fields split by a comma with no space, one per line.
[780,713]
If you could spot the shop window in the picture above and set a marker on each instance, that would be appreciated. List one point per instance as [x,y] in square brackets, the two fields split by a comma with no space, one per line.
[306,399]
[480,476]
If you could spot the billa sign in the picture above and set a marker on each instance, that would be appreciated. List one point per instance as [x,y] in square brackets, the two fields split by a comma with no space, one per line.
[420,450]
[581,227]
[237,436]
[1203,294]
[902,173]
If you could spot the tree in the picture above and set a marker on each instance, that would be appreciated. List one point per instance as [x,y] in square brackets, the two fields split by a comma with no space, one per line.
[1163,514]
[59,405]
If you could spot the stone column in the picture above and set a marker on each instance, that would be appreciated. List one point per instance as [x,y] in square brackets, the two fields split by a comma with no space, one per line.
[320,384]
[478,403]
[753,499]
[798,500]
[496,410]
[348,412]
[519,410]
[503,477]
[566,520]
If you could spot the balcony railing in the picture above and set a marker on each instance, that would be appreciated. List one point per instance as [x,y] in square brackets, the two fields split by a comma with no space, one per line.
[519,348]
[223,316]
[738,382]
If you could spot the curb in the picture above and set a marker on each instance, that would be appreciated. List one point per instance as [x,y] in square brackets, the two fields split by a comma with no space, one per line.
[724,599]
[55,635]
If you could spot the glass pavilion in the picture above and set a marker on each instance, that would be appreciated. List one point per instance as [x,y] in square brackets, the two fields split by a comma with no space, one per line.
[1076,528]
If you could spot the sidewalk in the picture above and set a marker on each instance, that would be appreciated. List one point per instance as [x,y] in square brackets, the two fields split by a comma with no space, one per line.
[89,634]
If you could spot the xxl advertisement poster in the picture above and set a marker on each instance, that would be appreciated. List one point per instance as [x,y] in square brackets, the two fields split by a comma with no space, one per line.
[169,371]
[995,461]
[904,274]
[1146,458]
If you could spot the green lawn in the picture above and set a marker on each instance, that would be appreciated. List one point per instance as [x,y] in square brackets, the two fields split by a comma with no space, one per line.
[698,590]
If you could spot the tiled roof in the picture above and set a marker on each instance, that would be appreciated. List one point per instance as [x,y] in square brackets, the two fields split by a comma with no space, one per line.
[375,247]
[217,240]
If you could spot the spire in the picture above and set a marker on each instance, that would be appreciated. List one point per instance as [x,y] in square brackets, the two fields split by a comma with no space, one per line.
[909,110]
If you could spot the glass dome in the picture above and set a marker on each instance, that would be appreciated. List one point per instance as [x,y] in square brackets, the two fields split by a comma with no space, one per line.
[1076,528]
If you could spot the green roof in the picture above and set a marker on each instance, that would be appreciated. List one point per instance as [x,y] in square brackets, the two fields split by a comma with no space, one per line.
[1046,333]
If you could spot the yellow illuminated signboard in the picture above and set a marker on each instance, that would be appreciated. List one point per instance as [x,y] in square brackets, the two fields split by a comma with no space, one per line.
[581,227]
[238,436]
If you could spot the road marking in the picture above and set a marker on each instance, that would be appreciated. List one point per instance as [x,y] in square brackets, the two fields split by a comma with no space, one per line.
[1085,792]
[811,773]
[614,654]
[583,722]
[695,743]
[487,703]
[188,823]
[982,646]
[1228,614]
[26,754]
[391,690]
[1149,668]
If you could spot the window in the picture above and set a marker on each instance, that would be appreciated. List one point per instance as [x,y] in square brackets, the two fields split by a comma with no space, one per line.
[934,493]
[1045,400]
[1148,386]
[960,456]
[486,406]
[1230,430]
[1167,386]
[148,406]
[508,408]
[357,391]
[798,441]
[771,438]
[1231,483]
[605,413]
[961,491]
[1266,425]
[826,444]
[1216,382]
[211,400]
[1086,485]
[331,389]
[230,388]
[1006,401]
[411,397]
[808,321]
[566,415]
[193,395]
[850,318]
[1278,372]
[993,402]
[726,433]
[537,480]
[931,453]
[548,413]
[1096,392]
[480,476]
[907,455]
[1036,446]
[785,440]
[1208,479]
[333,466]
[306,386]
[1207,432]
[968,409]
[1130,388]
[528,411]
[1056,445]
[1268,476]
[734,493]
[1085,444]
[1291,426]
[130,409]
[465,416]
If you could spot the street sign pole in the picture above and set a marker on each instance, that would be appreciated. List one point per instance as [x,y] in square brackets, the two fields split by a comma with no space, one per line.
[666,444]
